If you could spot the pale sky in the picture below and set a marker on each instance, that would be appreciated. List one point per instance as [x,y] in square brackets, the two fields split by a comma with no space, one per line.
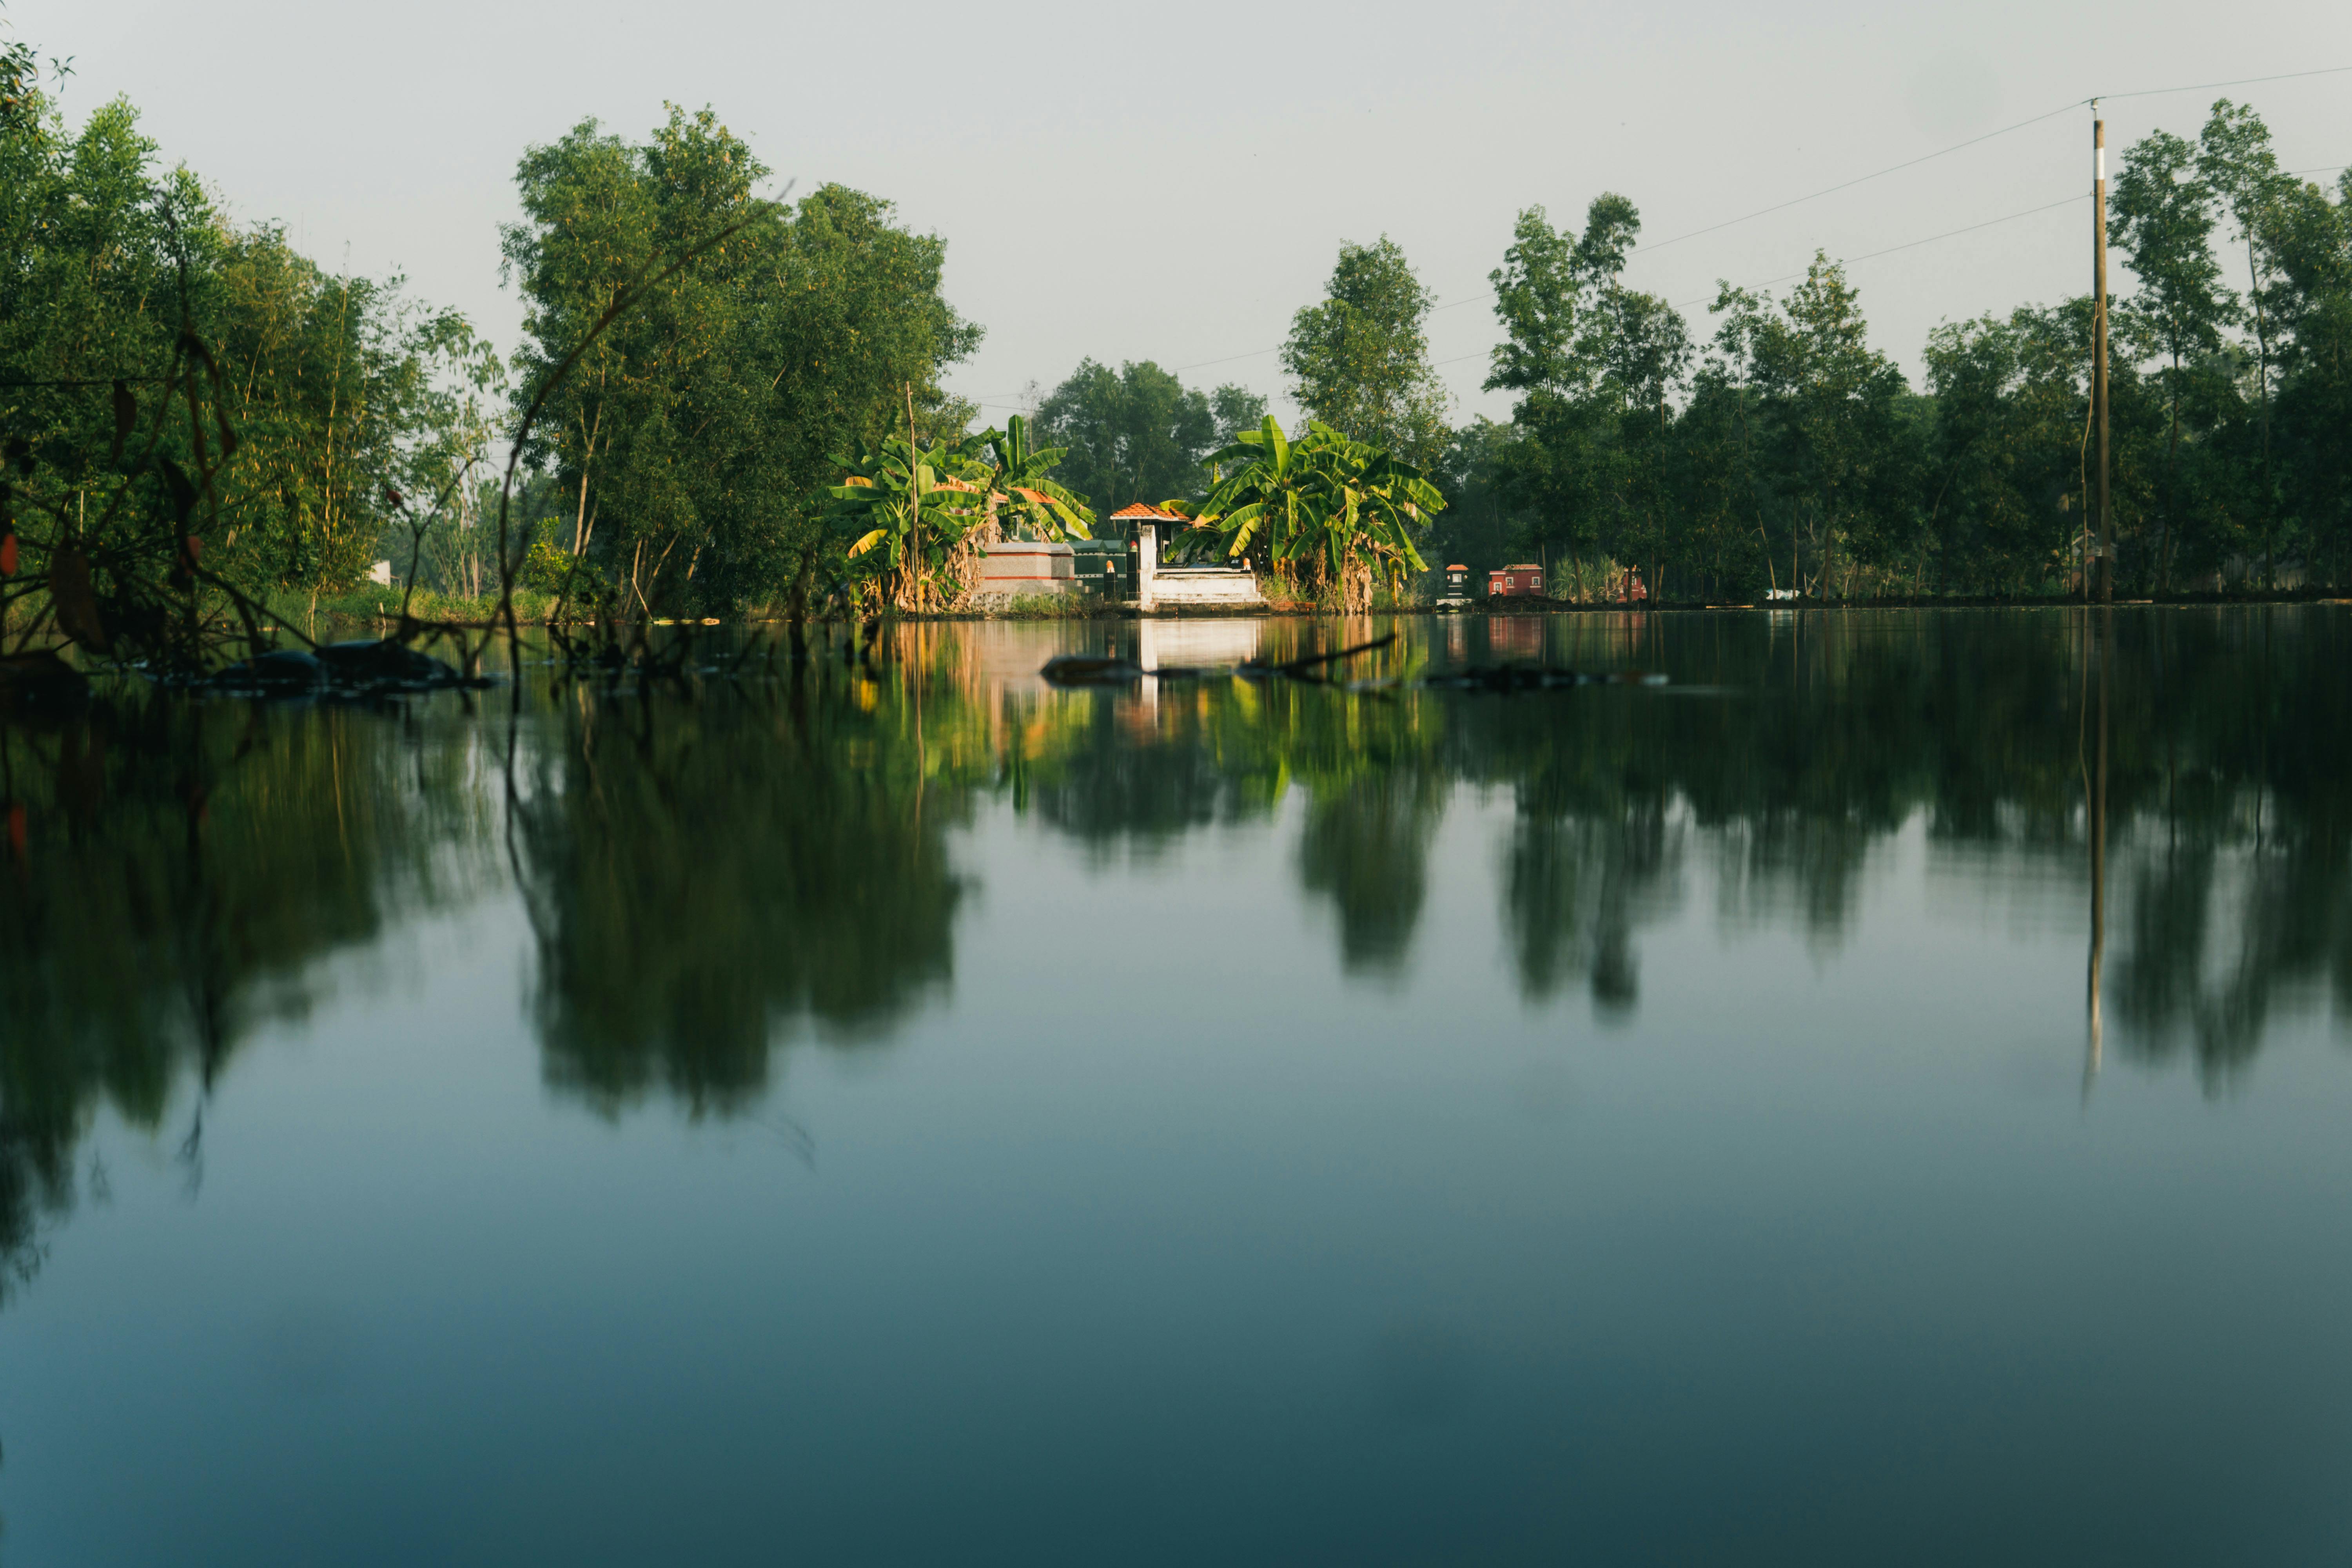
[1173,182]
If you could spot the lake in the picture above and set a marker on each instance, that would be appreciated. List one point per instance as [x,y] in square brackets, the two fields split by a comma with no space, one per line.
[1881,1095]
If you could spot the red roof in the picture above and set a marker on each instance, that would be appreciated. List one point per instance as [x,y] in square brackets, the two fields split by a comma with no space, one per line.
[1156,514]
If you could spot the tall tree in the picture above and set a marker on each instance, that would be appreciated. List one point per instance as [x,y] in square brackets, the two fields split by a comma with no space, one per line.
[696,436]
[1482,524]
[1359,362]
[2234,158]
[1839,399]
[1597,367]
[2312,237]
[2164,209]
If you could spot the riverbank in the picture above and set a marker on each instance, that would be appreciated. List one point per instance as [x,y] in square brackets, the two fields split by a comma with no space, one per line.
[381,607]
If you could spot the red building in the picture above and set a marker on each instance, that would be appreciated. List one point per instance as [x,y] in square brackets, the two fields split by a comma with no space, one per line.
[1523,580]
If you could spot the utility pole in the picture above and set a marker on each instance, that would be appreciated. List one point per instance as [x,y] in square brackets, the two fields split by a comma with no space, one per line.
[2099,345]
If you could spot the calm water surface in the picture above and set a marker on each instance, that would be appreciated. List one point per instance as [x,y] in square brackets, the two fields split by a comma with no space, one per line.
[908,1115]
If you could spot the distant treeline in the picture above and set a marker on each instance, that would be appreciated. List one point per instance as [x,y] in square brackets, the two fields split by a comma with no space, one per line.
[680,464]
[1784,451]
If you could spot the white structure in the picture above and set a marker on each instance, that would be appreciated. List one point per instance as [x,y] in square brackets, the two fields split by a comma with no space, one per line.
[1158,587]
[1213,643]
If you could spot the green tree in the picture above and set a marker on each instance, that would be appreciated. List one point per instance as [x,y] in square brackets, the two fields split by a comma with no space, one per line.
[2311,239]
[321,394]
[1482,526]
[1839,423]
[2164,221]
[2235,160]
[1022,491]
[1139,434]
[1359,362]
[695,438]
[2011,399]
[904,512]
[1597,367]
[1335,515]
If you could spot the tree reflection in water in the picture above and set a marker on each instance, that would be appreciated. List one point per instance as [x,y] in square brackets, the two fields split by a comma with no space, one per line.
[705,877]
[714,868]
[181,870]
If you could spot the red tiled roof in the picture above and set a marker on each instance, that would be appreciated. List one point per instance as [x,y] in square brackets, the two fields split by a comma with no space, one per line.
[1156,514]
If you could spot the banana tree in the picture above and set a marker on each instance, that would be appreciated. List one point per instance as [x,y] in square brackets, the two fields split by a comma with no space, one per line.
[1334,512]
[1026,498]
[903,511]
[1375,503]
[1269,499]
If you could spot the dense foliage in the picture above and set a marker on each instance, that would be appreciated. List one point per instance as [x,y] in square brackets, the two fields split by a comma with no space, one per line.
[1785,452]
[694,438]
[310,407]
[193,408]
[1138,434]
[1336,517]
[1359,360]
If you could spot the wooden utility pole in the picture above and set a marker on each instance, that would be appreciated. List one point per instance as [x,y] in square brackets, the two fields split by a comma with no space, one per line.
[2099,346]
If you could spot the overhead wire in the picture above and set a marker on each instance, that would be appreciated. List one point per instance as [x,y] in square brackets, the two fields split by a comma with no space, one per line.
[2211,85]
[1907,245]
[1487,293]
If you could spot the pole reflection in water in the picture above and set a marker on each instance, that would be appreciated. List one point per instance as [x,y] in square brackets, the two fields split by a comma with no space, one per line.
[2099,634]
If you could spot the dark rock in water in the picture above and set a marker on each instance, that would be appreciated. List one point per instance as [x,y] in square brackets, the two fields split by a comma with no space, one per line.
[1508,677]
[1088,669]
[1536,677]
[41,683]
[384,662]
[285,670]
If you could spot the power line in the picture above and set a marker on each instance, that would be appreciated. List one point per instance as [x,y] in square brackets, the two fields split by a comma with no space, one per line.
[1913,244]
[2209,86]
[1487,293]
[1866,179]
[1848,260]
[1987,136]
[1227,359]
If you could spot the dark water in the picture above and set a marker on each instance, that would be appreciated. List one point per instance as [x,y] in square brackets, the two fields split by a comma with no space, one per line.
[915,1117]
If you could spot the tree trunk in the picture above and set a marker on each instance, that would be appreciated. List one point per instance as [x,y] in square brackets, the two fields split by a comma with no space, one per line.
[799,611]
[2171,487]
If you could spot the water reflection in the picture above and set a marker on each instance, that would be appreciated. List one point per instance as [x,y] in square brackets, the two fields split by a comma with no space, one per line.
[176,874]
[2100,624]
[713,869]
[707,875]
